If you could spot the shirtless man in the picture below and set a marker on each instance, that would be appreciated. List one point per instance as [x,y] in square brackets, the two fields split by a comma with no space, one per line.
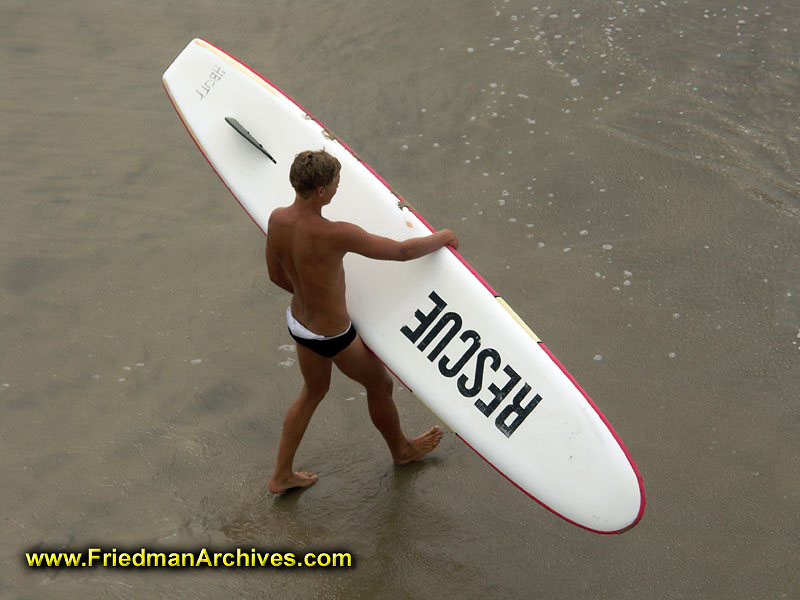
[304,257]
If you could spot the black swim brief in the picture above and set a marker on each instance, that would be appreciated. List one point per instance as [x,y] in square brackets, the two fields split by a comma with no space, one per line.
[324,346]
[331,346]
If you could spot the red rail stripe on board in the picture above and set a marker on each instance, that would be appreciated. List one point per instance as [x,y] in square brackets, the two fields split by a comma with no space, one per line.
[608,426]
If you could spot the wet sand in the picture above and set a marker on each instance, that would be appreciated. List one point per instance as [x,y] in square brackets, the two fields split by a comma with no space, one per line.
[625,175]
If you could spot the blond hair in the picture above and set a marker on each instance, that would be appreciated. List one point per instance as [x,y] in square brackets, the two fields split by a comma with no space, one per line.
[312,169]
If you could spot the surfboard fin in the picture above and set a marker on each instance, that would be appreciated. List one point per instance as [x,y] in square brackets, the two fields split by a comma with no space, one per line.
[246,135]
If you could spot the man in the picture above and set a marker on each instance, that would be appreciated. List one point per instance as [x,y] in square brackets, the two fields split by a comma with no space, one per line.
[304,256]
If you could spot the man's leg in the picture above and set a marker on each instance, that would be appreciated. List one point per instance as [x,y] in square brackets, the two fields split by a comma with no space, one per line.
[358,363]
[316,372]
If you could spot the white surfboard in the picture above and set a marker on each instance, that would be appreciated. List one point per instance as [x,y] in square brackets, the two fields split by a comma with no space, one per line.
[436,324]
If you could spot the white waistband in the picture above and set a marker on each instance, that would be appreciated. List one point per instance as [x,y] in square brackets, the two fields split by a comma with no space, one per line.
[301,331]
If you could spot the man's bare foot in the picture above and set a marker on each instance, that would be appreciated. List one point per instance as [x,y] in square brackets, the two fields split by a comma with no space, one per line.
[296,479]
[420,446]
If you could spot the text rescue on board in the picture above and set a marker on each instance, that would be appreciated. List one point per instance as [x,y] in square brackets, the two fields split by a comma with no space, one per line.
[490,355]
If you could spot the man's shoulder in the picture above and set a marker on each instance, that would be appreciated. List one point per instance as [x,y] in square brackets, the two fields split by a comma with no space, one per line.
[340,227]
[343,231]
[277,215]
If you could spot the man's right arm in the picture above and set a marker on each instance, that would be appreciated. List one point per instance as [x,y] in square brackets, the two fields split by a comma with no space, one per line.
[352,238]
[420,246]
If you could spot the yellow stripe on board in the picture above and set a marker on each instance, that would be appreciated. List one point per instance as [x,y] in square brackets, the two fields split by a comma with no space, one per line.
[183,119]
[522,323]
[239,66]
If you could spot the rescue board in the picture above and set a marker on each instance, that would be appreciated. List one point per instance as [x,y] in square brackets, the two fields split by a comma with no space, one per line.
[435,323]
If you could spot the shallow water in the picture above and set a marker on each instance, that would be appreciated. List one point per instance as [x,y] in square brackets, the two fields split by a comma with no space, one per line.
[625,175]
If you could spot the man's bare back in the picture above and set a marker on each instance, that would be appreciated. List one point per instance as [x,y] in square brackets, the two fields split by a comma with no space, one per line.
[304,257]
[302,242]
